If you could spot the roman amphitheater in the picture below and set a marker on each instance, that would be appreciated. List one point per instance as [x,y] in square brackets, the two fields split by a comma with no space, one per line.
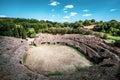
[47,53]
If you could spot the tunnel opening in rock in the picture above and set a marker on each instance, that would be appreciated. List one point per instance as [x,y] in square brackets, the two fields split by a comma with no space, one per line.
[52,58]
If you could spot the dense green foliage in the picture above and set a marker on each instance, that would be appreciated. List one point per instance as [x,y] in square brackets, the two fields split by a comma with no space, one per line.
[31,32]
[22,28]
[112,27]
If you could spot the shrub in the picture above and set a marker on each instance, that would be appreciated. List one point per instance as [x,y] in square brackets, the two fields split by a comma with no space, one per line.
[89,32]
[31,32]
[97,34]
[105,36]
[117,43]
[82,31]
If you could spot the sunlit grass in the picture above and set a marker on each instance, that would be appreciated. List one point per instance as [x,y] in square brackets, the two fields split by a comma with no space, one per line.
[114,37]
[32,46]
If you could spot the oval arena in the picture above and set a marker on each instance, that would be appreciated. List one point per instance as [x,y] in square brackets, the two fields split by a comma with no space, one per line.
[104,56]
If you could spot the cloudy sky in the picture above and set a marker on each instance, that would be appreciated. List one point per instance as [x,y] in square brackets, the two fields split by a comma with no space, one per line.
[61,10]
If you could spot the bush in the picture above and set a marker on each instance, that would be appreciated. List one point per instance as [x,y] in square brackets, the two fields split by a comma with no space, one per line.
[31,32]
[89,32]
[82,31]
[101,35]
[105,36]
[97,34]
[117,43]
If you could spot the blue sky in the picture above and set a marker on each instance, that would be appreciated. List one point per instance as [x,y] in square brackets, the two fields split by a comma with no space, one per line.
[61,10]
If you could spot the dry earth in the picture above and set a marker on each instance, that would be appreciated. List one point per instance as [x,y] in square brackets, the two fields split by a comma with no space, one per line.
[55,58]
[89,27]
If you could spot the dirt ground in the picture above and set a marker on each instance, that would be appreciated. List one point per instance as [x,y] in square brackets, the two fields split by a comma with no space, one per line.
[52,58]
[89,27]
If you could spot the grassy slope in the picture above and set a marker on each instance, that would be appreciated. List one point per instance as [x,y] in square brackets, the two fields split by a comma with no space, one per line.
[113,38]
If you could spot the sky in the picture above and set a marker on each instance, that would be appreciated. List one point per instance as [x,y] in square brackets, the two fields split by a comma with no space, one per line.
[61,10]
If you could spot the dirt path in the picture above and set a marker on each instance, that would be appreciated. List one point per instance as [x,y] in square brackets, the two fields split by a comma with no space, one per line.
[89,27]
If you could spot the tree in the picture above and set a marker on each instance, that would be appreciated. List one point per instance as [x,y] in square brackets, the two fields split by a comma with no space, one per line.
[78,24]
[16,34]
[92,21]
[58,24]
[31,32]
[24,33]
[87,22]
[66,24]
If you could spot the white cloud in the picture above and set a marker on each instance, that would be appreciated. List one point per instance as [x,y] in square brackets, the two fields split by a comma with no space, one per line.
[73,13]
[54,3]
[113,10]
[85,10]
[86,15]
[3,16]
[68,7]
[70,15]
[66,17]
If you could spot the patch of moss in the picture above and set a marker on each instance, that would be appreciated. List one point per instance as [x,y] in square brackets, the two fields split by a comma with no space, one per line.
[78,68]
[57,73]
[25,58]
[32,46]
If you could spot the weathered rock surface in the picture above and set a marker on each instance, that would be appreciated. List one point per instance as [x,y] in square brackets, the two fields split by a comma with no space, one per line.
[105,57]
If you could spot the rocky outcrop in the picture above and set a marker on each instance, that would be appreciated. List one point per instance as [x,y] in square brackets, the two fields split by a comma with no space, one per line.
[11,55]
[105,57]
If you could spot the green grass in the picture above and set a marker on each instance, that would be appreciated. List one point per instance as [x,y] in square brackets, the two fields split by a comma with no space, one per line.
[79,68]
[78,51]
[25,58]
[109,37]
[32,46]
[55,74]
[114,37]
[81,53]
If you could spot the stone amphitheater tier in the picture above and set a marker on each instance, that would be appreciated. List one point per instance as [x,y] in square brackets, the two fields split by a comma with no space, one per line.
[93,47]
[105,57]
